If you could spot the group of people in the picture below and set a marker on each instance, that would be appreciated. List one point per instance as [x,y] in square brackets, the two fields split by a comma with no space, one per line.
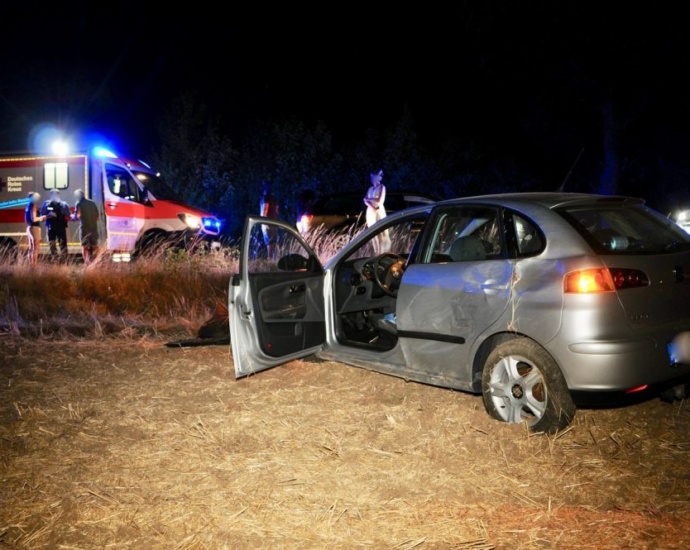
[55,213]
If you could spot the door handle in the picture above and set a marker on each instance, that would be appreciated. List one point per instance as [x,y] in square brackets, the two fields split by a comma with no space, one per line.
[112,205]
[297,288]
[493,287]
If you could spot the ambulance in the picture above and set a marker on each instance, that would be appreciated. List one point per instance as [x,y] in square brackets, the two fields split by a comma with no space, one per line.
[136,207]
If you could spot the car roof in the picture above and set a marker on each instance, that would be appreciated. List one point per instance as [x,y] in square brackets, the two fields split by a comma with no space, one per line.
[397,192]
[549,200]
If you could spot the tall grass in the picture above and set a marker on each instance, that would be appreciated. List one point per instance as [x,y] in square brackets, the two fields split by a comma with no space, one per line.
[167,287]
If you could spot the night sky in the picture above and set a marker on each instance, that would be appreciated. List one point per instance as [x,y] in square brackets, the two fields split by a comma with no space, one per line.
[523,78]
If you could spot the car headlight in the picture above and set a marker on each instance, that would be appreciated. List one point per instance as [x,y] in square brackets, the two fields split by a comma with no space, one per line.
[190,220]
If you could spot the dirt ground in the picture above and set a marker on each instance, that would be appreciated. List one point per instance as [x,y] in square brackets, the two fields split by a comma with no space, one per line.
[122,442]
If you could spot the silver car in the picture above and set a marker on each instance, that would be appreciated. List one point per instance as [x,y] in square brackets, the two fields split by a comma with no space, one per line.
[521,298]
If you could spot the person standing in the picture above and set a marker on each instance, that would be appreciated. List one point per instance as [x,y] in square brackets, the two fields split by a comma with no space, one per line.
[305,201]
[56,212]
[268,208]
[32,217]
[376,210]
[86,212]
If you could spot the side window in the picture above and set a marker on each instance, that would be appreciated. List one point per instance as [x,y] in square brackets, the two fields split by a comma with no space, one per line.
[55,175]
[464,234]
[272,249]
[122,184]
[530,240]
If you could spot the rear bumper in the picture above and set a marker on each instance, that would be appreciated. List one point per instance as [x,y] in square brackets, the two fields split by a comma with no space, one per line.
[621,364]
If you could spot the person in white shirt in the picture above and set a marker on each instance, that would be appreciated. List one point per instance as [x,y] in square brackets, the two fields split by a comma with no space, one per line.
[376,210]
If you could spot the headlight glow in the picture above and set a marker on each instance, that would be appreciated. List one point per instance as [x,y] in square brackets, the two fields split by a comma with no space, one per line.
[190,220]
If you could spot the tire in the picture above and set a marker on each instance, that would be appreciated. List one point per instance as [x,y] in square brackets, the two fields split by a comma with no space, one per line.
[521,382]
[152,244]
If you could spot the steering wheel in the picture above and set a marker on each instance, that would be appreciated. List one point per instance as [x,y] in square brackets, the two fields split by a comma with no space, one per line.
[388,270]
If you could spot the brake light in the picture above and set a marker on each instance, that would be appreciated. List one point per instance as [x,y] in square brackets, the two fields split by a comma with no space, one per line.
[307,218]
[604,280]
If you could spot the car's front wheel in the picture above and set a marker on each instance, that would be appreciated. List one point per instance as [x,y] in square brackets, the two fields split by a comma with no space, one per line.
[521,382]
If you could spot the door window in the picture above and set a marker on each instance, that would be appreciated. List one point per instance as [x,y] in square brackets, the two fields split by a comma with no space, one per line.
[122,184]
[273,249]
[465,234]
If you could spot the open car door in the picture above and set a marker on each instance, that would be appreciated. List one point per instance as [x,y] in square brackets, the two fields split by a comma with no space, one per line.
[275,302]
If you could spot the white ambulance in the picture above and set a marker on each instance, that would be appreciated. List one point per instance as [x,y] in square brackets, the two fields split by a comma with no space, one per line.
[136,207]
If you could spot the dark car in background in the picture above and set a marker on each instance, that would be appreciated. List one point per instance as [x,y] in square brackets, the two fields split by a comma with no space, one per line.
[347,210]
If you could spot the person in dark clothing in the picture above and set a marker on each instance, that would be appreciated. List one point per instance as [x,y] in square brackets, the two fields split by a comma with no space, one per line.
[268,207]
[86,212]
[33,226]
[57,213]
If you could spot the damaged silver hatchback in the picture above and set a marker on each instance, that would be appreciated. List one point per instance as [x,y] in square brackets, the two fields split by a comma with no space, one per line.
[523,299]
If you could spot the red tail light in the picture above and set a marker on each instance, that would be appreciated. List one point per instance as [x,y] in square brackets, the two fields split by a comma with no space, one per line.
[603,280]
[629,278]
[306,218]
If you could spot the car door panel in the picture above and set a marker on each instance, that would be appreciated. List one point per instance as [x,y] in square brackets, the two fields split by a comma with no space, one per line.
[453,299]
[444,306]
[276,304]
[291,314]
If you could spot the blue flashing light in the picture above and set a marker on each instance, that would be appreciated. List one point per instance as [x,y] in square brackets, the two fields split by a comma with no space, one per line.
[101,152]
[211,223]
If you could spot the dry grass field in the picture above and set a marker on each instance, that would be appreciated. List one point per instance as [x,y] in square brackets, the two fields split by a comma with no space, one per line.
[117,441]
[111,439]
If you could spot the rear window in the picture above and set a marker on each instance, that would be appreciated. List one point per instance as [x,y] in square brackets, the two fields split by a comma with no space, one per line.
[626,229]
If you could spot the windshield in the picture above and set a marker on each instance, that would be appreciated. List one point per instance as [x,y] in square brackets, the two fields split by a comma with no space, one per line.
[156,186]
[626,229]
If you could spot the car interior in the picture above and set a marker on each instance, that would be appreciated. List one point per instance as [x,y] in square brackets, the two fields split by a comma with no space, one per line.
[366,289]
[366,282]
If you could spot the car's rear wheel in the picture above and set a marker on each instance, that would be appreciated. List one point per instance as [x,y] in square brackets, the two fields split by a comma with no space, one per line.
[521,382]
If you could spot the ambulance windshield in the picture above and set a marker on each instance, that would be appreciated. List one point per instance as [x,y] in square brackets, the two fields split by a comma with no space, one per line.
[157,187]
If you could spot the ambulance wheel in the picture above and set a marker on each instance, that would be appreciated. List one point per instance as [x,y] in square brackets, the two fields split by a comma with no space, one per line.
[151,244]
